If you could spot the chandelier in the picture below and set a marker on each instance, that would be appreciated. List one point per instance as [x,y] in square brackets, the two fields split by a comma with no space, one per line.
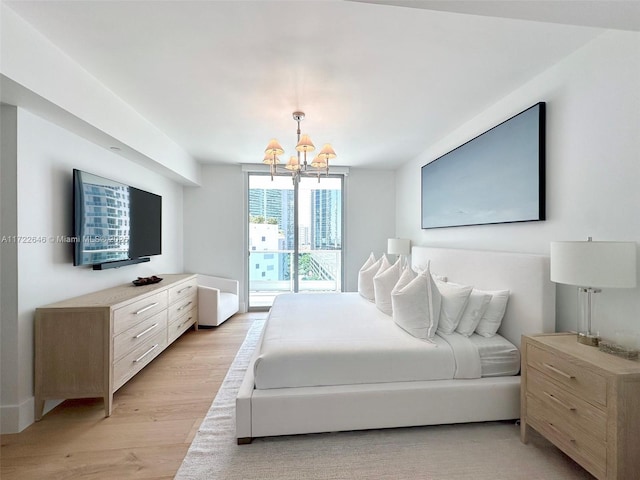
[297,168]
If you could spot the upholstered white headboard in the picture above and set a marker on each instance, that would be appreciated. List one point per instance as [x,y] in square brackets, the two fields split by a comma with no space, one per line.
[531,307]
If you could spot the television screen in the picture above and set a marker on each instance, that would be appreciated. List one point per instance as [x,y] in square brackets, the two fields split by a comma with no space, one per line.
[114,222]
[498,177]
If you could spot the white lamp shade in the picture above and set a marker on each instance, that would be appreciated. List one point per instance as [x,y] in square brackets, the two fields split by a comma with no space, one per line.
[594,264]
[398,246]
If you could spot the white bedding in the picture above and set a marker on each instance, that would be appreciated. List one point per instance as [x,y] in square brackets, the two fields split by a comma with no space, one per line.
[355,344]
[498,356]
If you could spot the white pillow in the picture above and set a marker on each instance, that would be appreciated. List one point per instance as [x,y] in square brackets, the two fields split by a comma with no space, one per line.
[365,277]
[422,268]
[405,279]
[454,301]
[416,307]
[492,318]
[473,312]
[383,284]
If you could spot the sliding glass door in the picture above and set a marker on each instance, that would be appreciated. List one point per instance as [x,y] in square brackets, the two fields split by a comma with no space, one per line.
[295,236]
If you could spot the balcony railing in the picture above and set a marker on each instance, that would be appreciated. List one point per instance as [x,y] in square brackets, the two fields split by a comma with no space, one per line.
[271,273]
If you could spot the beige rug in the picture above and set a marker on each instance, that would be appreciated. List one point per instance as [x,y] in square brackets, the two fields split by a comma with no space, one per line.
[481,451]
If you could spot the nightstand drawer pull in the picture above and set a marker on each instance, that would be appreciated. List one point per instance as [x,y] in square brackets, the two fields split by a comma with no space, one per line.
[142,310]
[559,372]
[184,306]
[146,353]
[559,433]
[146,331]
[560,402]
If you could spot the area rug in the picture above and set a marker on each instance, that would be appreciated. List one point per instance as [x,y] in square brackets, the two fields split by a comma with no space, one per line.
[479,451]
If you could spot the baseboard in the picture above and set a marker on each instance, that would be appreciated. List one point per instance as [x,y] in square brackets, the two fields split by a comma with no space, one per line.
[15,418]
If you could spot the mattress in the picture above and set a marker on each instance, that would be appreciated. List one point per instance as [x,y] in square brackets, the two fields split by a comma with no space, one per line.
[341,339]
[498,356]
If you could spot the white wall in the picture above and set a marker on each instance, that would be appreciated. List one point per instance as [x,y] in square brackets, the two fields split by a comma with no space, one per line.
[215,216]
[213,224]
[593,168]
[78,101]
[46,156]
[370,218]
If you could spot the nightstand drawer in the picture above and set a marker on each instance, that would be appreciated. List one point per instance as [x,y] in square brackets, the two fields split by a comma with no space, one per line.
[584,449]
[573,376]
[576,412]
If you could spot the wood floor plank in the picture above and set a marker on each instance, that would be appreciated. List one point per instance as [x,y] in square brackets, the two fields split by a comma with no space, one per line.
[155,417]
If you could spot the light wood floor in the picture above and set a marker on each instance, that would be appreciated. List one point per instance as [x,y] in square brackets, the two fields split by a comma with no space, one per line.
[155,417]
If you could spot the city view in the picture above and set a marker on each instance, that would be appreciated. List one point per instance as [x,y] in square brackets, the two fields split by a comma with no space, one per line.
[272,234]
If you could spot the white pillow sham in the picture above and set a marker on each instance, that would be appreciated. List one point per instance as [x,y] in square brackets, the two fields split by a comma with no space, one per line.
[365,277]
[473,312]
[383,284]
[454,301]
[492,318]
[416,307]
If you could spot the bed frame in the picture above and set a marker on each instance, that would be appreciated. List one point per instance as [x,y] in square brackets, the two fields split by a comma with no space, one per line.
[531,309]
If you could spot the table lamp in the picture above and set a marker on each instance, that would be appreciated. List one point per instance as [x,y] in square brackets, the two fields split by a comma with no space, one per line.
[592,266]
[399,246]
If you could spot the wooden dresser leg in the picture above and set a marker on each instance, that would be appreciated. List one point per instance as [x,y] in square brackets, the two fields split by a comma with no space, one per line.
[39,408]
[524,431]
[108,404]
[245,440]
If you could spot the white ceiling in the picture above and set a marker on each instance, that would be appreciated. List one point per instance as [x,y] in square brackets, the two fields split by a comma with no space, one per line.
[381,82]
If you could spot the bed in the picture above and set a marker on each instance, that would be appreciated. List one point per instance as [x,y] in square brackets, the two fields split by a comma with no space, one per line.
[343,377]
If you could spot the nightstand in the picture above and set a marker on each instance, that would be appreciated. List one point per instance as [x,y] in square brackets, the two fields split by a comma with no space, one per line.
[586,402]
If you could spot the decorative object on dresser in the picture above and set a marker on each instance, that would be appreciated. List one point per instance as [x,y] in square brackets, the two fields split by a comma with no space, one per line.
[218,299]
[584,401]
[89,346]
[592,266]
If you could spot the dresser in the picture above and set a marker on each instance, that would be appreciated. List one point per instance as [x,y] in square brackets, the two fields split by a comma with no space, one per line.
[586,402]
[91,345]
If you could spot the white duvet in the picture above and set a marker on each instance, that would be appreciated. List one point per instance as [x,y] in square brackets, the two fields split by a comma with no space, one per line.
[342,339]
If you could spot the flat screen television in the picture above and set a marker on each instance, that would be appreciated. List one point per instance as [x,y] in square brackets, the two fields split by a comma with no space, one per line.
[497,177]
[114,224]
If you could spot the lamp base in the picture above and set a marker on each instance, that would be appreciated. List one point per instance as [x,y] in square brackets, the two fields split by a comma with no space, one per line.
[588,339]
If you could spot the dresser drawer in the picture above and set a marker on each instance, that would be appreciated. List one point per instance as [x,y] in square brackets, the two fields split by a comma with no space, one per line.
[130,339]
[578,413]
[588,451]
[182,290]
[182,306]
[572,375]
[182,324]
[132,314]
[134,361]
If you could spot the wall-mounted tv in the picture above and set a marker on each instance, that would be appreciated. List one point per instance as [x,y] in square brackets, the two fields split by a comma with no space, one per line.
[497,177]
[114,224]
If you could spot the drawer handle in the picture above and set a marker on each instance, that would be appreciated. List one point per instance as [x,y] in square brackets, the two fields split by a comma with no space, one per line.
[187,320]
[559,433]
[184,289]
[560,402]
[142,310]
[146,353]
[146,331]
[184,306]
[559,372]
